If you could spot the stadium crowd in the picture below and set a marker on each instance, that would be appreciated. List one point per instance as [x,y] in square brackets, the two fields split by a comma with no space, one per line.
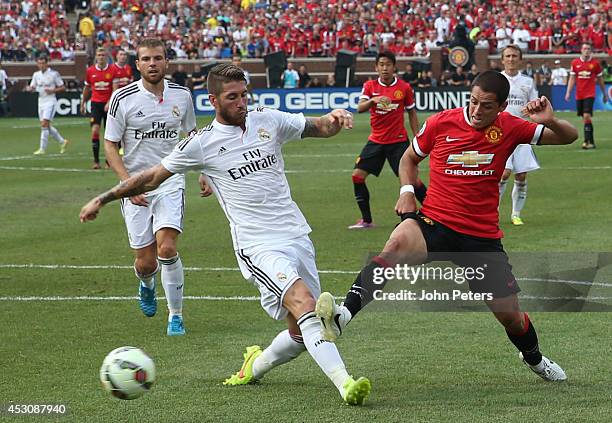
[207,29]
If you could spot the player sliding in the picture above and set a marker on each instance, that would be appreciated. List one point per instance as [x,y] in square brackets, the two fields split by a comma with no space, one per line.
[468,148]
[240,154]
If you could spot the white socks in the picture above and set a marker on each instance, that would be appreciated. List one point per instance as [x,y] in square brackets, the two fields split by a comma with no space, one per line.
[173,279]
[284,348]
[146,280]
[55,134]
[44,138]
[519,196]
[324,353]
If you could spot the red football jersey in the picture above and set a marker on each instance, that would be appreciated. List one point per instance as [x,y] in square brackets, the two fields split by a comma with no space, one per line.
[101,83]
[586,75]
[466,165]
[387,120]
[122,75]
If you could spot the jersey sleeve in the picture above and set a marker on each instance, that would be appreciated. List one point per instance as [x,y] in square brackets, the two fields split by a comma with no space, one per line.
[366,91]
[524,131]
[115,121]
[598,70]
[409,99]
[58,80]
[573,68]
[33,81]
[189,120]
[425,139]
[186,156]
[289,126]
[87,77]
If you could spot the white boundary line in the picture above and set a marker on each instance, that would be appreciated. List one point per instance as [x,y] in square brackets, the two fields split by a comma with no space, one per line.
[289,171]
[242,298]
[236,269]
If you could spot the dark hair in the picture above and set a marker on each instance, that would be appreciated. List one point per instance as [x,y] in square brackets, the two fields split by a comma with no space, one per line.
[221,74]
[43,57]
[513,47]
[493,82]
[150,43]
[386,54]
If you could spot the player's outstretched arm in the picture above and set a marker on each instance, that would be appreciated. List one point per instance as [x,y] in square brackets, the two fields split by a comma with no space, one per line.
[328,125]
[556,131]
[147,180]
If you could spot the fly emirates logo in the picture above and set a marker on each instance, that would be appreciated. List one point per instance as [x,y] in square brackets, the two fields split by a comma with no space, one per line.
[470,159]
[255,161]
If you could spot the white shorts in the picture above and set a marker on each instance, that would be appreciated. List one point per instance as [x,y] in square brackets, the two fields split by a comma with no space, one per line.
[165,210]
[273,268]
[523,159]
[46,111]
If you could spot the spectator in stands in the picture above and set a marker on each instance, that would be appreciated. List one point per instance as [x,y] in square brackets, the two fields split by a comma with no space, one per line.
[521,36]
[290,77]
[459,78]
[472,74]
[445,79]
[543,74]
[410,75]
[424,80]
[559,74]
[305,79]
[180,76]
[87,29]
[330,82]
[494,65]
[528,71]
[198,79]
[442,25]
[607,72]
[316,83]
[503,35]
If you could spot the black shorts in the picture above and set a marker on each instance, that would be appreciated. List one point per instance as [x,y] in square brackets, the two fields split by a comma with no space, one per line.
[97,113]
[445,244]
[372,157]
[585,106]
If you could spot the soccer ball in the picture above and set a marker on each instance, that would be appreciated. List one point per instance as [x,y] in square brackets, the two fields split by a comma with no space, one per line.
[127,373]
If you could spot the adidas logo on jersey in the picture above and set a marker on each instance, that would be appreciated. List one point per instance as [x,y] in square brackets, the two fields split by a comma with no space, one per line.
[140,114]
[222,150]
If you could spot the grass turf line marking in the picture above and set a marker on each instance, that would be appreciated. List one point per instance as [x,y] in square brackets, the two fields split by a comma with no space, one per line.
[236,269]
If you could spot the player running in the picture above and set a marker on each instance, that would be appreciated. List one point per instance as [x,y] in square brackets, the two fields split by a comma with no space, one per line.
[47,82]
[468,148]
[386,98]
[147,116]
[98,87]
[585,71]
[523,159]
[240,153]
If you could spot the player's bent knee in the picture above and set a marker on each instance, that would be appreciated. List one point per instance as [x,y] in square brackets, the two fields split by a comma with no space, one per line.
[406,244]
[298,299]
[360,175]
[520,177]
[166,249]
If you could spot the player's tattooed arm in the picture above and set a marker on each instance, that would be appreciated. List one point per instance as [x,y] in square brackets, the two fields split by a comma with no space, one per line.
[142,182]
[328,125]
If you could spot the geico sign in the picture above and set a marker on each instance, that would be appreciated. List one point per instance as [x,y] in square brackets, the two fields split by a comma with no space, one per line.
[315,101]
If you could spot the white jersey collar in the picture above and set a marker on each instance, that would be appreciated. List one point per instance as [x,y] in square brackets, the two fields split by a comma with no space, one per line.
[390,85]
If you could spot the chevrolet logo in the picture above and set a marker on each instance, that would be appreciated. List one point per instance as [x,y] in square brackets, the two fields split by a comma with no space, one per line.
[470,159]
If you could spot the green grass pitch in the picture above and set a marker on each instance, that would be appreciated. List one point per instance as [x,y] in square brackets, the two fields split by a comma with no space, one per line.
[456,367]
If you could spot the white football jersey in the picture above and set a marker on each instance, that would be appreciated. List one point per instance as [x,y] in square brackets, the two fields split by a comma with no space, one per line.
[247,173]
[42,81]
[522,91]
[149,128]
